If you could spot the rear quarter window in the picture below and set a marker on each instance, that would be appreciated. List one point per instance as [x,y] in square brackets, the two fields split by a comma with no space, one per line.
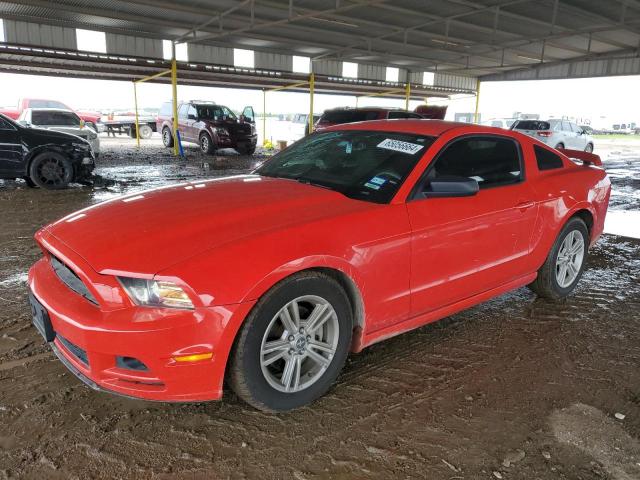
[546,159]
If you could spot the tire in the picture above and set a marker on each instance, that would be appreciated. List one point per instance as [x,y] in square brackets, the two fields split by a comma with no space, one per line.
[247,150]
[145,131]
[589,148]
[263,386]
[560,145]
[51,170]
[206,144]
[167,137]
[30,183]
[549,282]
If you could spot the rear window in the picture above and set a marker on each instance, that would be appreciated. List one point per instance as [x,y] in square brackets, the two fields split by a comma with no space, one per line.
[531,125]
[349,116]
[67,119]
[547,160]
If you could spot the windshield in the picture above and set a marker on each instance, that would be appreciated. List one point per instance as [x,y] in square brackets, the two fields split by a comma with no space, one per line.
[364,165]
[214,112]
[66,119]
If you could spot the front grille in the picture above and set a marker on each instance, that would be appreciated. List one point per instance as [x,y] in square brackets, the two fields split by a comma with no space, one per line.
[77,352]
[71,280]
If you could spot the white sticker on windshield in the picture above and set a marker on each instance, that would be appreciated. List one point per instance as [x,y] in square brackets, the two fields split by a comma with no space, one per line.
[398,146]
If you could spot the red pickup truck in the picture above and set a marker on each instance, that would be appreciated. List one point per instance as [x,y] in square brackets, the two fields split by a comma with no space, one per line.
[91,119]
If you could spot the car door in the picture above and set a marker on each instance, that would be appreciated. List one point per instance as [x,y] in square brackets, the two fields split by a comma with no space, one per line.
[579,139]
[248,115]
[11,151]
[463,246]
[183,123]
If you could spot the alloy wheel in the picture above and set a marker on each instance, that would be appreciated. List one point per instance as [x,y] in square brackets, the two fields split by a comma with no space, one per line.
[569,260]
[51,171]
[299,344]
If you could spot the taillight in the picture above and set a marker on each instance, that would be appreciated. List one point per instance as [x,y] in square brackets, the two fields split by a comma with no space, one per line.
[544,134]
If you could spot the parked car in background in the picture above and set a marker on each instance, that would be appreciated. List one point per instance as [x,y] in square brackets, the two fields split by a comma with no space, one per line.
[338,116]
[44,158]
[61,121]
[209,125]
[505,123]
[432,112]
[556,133]
[265,282]
[92,119]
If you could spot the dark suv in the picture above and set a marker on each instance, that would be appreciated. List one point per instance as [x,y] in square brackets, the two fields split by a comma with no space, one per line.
[337,116]
[209,125]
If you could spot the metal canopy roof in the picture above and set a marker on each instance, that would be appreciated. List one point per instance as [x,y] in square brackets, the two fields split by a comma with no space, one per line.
[463,37]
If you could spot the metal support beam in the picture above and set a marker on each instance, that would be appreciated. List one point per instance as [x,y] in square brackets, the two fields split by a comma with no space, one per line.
[312,86]
[174,97]
[135,101]
[407,94]
[477,111]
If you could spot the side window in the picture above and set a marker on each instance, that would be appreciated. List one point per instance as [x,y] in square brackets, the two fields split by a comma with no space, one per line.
[566,127]
[192,111]
[491,161]
[547,160]
[574,128]
[414,115]
[182,111]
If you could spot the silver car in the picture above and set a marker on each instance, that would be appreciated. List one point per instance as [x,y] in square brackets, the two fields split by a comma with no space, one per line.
[61,121]
[556,133]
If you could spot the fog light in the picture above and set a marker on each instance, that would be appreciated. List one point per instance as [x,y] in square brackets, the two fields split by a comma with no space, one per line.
[196,357]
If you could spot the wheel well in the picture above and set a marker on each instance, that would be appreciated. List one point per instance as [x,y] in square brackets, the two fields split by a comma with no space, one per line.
[352,291]
[586,217]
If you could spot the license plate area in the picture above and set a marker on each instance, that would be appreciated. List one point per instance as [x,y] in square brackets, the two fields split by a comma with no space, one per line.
[40,319]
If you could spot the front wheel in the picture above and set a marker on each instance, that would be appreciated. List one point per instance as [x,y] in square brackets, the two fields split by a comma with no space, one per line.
[560,145]
[589,148]
[206,144]
[293,344]
[167,137]
[51,170]
[565,263]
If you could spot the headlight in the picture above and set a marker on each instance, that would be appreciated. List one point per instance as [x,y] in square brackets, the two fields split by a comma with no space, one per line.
[222,131]
[155,293]
[81,146]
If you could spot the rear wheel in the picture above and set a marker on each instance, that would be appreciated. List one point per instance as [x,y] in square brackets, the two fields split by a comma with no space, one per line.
[293,344]
[589,148]
[560,145]
[206,144]
[565,263]
[51,170]
[167,137]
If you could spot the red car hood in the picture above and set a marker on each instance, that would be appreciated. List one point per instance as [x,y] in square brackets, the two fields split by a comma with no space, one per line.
[146,232]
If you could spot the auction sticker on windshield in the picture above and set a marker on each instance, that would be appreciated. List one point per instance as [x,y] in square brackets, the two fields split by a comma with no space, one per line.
[399,146]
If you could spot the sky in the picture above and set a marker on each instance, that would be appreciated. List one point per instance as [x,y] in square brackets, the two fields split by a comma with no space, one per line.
[615,98]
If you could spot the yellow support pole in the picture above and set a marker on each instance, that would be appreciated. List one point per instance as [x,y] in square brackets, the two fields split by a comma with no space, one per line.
[174,93]
[264,117]
[476,114]
[135,101]
[407,96]
[312,80]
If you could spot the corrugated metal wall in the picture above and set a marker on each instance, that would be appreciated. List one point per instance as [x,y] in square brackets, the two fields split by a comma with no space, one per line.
[135,46]
[454,81]
[273,61]
[602,67]
[208,54]
[328,67]
[372,72]
[40,35]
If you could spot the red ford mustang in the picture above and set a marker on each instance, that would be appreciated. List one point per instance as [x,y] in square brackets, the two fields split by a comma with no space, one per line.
[347,237]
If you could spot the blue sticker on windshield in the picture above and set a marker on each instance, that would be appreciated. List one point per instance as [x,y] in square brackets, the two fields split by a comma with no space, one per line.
[373,186]
[378,181]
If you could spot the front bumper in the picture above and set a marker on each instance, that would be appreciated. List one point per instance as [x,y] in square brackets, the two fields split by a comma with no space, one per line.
[154,336]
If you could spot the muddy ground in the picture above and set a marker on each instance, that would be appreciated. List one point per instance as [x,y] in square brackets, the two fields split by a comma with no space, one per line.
[516,388]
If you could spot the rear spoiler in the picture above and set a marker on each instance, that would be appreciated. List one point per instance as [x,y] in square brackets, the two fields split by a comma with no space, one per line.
[584,157]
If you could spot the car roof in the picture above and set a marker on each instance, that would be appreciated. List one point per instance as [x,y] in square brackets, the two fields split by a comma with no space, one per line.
[366,109]
[66,110]
[417,126]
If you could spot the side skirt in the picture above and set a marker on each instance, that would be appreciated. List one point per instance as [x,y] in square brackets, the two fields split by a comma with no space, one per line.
[438,314]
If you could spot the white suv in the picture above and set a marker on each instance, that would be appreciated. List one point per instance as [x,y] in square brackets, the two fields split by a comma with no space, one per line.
[556,133]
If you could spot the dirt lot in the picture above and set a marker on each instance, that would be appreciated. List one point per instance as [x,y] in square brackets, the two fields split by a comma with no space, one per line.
[516,388]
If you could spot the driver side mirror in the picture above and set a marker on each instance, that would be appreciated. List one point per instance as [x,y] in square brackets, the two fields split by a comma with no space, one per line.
[24,123]
[450,186]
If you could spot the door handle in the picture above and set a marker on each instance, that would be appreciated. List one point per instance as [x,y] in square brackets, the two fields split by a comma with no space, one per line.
[525,205]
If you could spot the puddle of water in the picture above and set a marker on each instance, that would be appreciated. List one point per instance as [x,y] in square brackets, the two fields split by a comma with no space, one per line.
[15,279]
